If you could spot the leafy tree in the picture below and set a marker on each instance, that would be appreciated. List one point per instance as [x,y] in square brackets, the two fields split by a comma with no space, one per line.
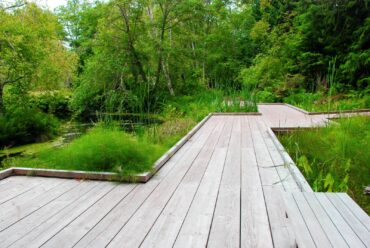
[31,53]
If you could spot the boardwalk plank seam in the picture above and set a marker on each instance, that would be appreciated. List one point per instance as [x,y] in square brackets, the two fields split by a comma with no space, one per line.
[180,184]
[196,190]
[259,173]
[99,201]
[219,186]
[90,206]
[53,199]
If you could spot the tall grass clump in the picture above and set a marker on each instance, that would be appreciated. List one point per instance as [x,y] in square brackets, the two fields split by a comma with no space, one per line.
[200,104]
[335,158]
[101,149]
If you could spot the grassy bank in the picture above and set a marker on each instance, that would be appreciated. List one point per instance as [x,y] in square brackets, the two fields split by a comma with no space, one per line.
[101,149]
[317,102]
[106,148]
[335,158]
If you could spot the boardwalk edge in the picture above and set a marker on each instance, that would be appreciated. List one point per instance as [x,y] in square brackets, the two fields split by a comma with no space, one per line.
[294,170]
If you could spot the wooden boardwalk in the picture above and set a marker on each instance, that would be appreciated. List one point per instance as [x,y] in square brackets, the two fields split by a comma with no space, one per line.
[228,186]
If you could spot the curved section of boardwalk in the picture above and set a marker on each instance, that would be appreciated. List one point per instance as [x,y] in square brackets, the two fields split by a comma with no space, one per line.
[224,188]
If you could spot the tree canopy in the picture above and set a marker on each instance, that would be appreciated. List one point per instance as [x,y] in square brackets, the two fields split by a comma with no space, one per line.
[135,54]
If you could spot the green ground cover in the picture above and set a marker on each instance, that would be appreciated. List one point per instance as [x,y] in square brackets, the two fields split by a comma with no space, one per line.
[103,148]
[334,158]
[100,149]
[317,102]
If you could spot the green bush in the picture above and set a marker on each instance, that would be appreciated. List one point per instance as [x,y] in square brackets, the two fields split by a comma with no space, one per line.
[53,102]
[303,98]
[101,149]
[26,125]
[265,96]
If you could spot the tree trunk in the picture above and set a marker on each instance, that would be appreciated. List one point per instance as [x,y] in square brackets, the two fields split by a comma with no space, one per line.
[130,45]
[1,98]
[166,11]
[168,77]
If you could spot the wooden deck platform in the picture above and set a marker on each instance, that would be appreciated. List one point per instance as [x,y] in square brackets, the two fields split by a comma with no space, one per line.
[230,185]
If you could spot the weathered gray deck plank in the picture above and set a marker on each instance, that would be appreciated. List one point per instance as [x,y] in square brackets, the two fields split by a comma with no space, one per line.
[76,229]
[352,221]
[51,226]
[13,215]
[8,181]
[41,213]
[195,229]
[164,232]
[355,209]
[255,227]
[286,177]
[342,226]
[225,228]
[302,234]
[328,226]
[17,188]
[40,189]
[318,234]
[282,234]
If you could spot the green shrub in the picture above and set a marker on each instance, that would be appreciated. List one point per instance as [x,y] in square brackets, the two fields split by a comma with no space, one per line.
[303,99]
[26,125]
[265,96]
[335,158]
[101,149]
[52,102]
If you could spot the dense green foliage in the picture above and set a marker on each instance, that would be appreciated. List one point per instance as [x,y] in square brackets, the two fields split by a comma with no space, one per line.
[334,158]
[31,57]
[52,102]
[26,125]
[136,56]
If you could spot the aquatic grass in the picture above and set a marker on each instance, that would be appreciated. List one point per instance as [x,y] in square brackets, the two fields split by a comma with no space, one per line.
[334,158]
[101,149]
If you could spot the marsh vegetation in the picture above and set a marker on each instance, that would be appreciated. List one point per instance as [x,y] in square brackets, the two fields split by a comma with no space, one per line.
[334,158]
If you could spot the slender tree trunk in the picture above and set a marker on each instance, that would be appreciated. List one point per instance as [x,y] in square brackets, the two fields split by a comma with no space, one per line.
[160,51]
[168,77]
[1,98]
[130,45]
